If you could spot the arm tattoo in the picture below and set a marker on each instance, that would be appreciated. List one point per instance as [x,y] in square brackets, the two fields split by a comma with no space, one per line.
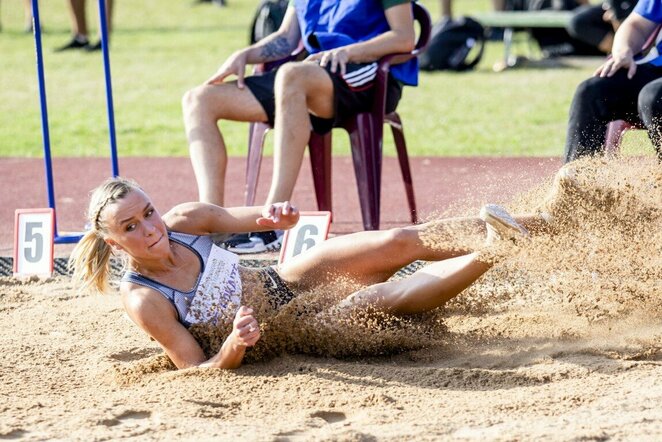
[275,49]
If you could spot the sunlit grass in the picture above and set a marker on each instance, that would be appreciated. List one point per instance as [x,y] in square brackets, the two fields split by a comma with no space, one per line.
[162,48]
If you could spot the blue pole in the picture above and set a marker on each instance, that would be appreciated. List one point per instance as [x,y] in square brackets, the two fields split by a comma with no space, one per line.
[109,87]
[48,164]
[36,27]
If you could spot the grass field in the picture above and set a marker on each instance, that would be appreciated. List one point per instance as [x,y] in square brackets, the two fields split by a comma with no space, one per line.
[160,48]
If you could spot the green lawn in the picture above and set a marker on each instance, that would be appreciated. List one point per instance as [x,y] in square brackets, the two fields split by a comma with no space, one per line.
[160,48]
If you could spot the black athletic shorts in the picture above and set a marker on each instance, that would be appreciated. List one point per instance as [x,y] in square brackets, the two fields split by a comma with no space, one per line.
[353,93]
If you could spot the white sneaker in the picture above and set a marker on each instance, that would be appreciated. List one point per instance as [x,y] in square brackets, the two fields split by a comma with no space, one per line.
[500,224]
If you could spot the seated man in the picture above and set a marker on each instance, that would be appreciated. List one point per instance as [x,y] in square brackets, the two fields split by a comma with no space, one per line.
[626,87]
[344,40]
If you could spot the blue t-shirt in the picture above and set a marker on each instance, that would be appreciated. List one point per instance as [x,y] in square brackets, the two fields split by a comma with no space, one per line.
[651,10]
[329,24]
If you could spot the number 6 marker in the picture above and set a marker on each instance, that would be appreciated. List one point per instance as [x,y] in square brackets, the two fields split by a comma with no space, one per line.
[312,229]
[33,242]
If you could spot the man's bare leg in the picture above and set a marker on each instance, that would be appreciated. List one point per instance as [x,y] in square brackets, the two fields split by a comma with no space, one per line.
[300,89]
[77,17]
[203,106]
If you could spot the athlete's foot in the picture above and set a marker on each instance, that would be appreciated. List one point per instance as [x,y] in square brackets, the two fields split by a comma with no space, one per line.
[501,225]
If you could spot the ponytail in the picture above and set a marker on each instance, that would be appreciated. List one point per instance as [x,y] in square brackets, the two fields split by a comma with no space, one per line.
[90,263]
[90,260]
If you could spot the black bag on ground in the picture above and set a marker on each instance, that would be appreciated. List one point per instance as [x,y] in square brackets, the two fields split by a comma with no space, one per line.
[268,17]
[455,45]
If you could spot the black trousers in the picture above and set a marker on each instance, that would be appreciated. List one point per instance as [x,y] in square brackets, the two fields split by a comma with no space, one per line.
[598,101]
[588,26]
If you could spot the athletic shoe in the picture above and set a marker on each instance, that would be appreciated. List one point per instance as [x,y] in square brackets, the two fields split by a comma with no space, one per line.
[500,224]
[77,42]
[258,242]
[235,240]
[220,238]
[93,48]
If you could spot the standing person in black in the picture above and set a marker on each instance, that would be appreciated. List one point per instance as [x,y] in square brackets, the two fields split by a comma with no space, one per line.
[78,17]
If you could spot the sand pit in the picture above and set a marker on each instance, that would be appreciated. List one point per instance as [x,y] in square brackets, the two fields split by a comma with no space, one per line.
[561,341]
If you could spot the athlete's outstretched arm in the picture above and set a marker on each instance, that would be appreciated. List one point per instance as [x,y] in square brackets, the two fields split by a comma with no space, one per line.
[203,218]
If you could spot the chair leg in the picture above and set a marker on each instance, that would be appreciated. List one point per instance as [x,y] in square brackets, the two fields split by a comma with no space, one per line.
[257,132]
[615,131]
[366,142]
[319,147]
[394,121]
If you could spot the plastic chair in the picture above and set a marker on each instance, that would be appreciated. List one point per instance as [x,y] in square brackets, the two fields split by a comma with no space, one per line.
[617,128]
[615,131]
[365,132]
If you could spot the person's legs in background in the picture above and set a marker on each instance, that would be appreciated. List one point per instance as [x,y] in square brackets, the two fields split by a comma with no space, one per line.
[78,18]
[597,102]
[446,7]
[109,23]
[27,14]
[203,107]
[300,90]
[78,26]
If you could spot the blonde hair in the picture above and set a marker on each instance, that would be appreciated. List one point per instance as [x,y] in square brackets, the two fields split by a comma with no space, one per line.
[90,260]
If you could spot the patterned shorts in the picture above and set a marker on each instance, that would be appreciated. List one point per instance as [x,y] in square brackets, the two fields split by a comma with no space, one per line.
[278,292]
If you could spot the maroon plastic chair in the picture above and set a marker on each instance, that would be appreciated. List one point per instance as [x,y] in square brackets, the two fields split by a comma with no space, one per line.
[615,131]
[617,128]
[365,133]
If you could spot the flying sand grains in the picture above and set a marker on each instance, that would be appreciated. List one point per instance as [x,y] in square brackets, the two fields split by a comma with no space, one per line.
[602,260]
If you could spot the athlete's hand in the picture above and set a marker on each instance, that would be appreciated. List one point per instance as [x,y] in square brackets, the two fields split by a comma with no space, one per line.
[234,65]
[337,58]
[245,329]
[622,60]
[279,216]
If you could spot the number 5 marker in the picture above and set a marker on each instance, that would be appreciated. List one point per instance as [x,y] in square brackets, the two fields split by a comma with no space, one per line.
[33,242]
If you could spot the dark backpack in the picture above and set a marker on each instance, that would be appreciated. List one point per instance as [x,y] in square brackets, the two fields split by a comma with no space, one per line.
[268,18]
[456,45]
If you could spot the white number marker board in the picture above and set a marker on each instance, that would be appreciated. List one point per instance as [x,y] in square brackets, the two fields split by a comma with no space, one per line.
[312,229]
[33,242]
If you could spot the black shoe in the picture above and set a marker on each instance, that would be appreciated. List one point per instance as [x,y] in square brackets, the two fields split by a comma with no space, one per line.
[236,239]
[258,242]
[94,47]
[75,43]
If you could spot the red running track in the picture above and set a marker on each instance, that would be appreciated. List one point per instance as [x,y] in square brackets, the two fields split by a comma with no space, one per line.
[439,183]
